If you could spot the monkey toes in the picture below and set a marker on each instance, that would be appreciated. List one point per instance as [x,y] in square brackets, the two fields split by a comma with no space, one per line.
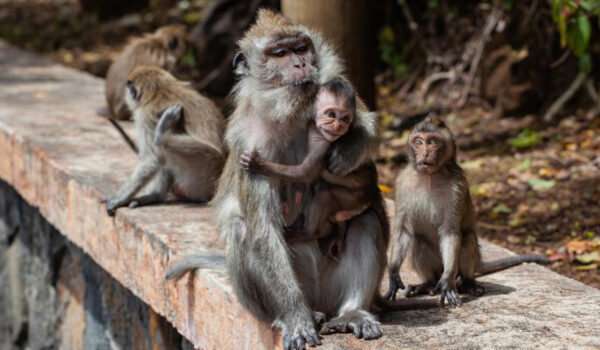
[426,288]
[395,284]
[357,322]
[451,295]
[362,327]
[302,336]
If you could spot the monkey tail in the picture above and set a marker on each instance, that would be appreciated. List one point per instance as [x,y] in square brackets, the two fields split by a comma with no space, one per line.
[487,267]
[382,304]
[194,261]
[123,134]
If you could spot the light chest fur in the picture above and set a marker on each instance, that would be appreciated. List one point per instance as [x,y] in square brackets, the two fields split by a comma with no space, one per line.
[424,203]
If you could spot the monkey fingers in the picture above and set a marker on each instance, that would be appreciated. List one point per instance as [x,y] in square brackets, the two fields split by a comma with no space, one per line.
[250,161]
[451,295]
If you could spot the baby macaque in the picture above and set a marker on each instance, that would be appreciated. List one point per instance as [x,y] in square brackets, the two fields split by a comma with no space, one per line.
[163,48]
[435,221]
[337,198]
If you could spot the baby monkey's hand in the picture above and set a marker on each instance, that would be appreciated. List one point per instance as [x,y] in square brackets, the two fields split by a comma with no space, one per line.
[251,162]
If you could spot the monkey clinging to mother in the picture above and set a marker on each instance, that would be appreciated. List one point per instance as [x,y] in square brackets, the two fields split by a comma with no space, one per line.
[280,67]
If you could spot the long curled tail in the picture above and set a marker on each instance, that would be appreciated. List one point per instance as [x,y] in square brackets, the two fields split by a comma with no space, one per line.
[195,261]
[487,267]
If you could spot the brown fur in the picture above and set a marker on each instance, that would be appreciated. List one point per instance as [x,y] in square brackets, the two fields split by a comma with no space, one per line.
[180,136]
[151,49]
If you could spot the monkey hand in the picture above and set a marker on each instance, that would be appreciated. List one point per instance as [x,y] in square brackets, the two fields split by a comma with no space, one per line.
[111,206]
[448,292]
[395,284]
[169,118]
[251,162]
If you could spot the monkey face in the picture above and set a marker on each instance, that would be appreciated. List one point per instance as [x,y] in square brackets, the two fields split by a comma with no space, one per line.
[291,62]
[429,151]
[334,115]
[174,39]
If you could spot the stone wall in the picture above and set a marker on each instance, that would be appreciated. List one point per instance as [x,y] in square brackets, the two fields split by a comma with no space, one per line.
[54,296]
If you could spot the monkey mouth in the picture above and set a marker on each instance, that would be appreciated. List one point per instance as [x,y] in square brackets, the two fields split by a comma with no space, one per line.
[303,83]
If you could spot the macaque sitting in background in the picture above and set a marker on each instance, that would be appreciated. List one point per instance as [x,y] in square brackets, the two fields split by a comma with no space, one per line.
[163,48]
[337,198]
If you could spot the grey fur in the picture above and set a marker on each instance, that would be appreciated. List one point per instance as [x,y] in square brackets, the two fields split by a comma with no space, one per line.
[279,283]
[435,225]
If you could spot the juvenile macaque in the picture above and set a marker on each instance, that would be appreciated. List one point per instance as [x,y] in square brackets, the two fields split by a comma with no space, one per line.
[435,221]
[339,198]
[163,48]
[179,137]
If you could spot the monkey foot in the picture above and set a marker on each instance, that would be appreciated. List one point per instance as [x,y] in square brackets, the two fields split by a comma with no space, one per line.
[450,295]
[300,337]
[395,284]
[361,324]
[426,288]
[472,288]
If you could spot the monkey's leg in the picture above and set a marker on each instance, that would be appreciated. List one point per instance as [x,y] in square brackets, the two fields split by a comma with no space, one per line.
[400,247]
[450,250]
[166,122]
[144,170]
[428,263]
[265,282]
[185,144]
[350,285]
[469,260]
[158,188]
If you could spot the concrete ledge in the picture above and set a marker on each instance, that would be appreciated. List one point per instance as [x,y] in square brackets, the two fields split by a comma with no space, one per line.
[61,157]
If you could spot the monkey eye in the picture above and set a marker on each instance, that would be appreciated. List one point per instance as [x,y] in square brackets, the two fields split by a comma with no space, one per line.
[301,48]
[279,52]
[330,114]
[346,119]
[418,142]
[433,141]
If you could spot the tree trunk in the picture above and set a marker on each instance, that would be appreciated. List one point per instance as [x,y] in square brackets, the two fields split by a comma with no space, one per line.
[349,25]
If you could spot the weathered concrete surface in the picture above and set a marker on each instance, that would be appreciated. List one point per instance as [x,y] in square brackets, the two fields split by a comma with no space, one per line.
[54,296]
[62,158]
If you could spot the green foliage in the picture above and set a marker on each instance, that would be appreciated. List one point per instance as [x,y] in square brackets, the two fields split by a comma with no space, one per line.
[540,184]
[389,54]
[575,28]
[525,139]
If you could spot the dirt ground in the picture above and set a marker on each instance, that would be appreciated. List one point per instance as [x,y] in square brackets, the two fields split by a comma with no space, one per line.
[536,187]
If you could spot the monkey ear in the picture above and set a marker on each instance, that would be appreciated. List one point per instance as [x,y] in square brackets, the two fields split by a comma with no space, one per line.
[240,65]
[173,42]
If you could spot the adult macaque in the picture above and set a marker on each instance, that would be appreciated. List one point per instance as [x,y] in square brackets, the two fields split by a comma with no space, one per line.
[281,65]
[163,48]
[180,139]
[435,221]
[339,198]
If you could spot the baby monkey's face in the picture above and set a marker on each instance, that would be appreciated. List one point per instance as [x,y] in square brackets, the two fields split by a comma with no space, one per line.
[333,115]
